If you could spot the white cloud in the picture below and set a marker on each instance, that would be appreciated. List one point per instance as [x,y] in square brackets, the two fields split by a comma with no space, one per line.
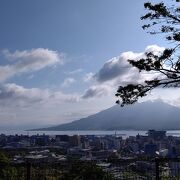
[117,71]
[67,82]
[25,108]
[14,95]
[116,67]
[88,77]
[119,67]
[96,91]
[28,61]
[76,71]
[154,48]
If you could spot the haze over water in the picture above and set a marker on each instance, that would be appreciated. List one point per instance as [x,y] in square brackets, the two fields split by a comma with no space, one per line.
[123,133]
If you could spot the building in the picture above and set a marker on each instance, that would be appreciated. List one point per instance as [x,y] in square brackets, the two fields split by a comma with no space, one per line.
[150,149]
[156,135]
[75,140]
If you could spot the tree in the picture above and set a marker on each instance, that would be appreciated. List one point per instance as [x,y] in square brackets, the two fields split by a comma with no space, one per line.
[162,19]
[86,171]
[7,172]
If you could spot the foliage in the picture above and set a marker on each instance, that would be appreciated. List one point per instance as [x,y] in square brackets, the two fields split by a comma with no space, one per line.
[4,158]
[165,20]
[88,171]
[7,172]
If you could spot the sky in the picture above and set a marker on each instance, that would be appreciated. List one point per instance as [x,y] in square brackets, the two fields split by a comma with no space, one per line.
[62,60]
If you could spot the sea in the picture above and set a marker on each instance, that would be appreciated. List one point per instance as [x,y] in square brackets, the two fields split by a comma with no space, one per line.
[123,133]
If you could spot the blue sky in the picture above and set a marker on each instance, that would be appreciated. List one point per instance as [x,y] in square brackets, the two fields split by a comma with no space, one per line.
[56,57]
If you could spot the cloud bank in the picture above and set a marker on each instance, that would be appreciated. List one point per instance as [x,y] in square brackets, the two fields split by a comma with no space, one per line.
[117,71]
[15,95]
[119,67]
[28,61]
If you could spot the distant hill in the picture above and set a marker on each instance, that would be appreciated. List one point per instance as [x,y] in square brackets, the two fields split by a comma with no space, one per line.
[140,116]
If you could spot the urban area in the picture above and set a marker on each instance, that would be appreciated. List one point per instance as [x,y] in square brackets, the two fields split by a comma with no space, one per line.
[107,156]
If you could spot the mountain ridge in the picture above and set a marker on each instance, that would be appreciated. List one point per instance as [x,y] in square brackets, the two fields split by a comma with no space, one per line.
[140,116]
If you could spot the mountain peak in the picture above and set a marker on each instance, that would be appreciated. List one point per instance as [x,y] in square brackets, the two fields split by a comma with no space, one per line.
[139,116]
